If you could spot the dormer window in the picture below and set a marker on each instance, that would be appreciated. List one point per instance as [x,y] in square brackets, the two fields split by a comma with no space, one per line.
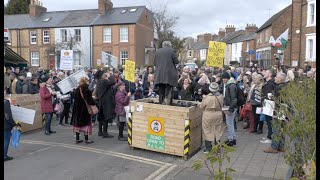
[123,11]
[133,10]
[47,19]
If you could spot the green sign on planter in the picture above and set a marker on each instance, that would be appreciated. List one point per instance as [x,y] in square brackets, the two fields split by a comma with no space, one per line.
[155,142]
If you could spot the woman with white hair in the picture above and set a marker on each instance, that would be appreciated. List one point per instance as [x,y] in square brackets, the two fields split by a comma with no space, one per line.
[202,87]
[290,76]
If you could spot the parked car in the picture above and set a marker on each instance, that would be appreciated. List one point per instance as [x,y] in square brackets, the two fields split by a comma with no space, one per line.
[193,66]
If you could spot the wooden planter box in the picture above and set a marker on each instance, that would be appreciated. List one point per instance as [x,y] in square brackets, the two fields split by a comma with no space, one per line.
[166,129]
[29,101]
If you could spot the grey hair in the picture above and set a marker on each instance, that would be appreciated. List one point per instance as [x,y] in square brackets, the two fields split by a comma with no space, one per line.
[166,44]
[283,76]
[310,74]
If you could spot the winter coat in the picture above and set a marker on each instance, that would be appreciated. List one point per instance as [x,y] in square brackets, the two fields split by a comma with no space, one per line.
[268,87]
[8,120]
[255,98]
[165,62]
[186,94]
[230,98]
[212,118]
[46,100]
[80,116]
[146,87]
[279,87]
[138,92]
[106,101]
[204,89]
[33,88]
[122,100]
[13,86]
[21,87]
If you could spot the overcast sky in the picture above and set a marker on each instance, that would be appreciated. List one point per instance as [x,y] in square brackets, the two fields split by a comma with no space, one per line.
[196,16]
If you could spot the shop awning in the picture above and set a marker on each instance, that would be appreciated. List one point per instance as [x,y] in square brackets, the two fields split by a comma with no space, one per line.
[12,57]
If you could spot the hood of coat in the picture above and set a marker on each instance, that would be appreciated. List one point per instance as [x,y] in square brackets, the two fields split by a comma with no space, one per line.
[231,80]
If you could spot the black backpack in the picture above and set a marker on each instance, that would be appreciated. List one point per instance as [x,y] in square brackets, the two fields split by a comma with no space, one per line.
[240,97]
[241,100]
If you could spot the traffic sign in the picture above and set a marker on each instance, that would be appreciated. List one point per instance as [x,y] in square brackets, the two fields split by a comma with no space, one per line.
[6,35]
[251,52]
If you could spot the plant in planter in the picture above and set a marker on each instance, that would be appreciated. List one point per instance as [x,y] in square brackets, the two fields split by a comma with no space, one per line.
[296,109]
[217,155]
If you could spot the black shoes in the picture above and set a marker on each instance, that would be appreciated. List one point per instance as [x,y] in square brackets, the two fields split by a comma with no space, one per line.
[99,133]
[88,142]
[107,136]
[259,132]
[122,138]
[231,142]
[79,141]
[8,158]
[47,133]
[52,132]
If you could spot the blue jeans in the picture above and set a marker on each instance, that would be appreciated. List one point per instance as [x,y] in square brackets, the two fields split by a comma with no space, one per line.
[268,120]
[7,136]
[230,124]
[48,117]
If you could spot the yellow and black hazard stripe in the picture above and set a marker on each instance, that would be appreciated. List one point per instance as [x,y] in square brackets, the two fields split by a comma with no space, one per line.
[186,138]
[130,130]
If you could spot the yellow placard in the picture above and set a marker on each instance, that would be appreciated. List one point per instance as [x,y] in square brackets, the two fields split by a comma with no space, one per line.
[216,54]
[156,126]
[129,70]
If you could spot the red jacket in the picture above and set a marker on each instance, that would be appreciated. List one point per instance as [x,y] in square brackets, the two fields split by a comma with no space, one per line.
[46,100]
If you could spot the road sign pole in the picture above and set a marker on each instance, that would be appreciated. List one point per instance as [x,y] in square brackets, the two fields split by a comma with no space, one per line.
[250,58]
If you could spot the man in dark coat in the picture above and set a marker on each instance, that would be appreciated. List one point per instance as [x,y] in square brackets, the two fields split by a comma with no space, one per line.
[166,74]
[8,125]
[21,86]
[106,103]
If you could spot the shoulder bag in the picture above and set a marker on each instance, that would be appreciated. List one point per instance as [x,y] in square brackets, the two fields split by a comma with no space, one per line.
[223,115]
[92,109]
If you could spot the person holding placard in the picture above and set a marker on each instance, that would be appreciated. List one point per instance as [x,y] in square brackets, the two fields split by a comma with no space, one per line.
[46,103]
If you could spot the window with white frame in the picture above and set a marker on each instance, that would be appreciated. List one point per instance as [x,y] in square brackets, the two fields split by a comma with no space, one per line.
[77,35]
[46,37]
[33,37]
[189,53]
[310,47]
[77,58]
[124,56]
[35,59]
[311,13]
[248,46]
[123,34]
[266,36]
[108,52]
[235,48]
[107,35]
[64,37]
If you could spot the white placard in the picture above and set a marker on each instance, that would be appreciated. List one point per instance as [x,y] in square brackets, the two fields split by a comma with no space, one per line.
[258,110]
[79,74]
[108,59]
[139,107]
[268,107]
[67,54]
[22,114]
[72,81]
[66,65]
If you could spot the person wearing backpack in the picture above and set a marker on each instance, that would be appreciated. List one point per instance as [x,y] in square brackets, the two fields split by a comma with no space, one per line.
[230,100]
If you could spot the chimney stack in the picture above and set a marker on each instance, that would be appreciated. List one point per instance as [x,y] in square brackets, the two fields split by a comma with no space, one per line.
[35,8]
[104,6]
[251,28]
[221,33]
[230,29]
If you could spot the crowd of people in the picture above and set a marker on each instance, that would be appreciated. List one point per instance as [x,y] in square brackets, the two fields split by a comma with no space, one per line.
[216,89]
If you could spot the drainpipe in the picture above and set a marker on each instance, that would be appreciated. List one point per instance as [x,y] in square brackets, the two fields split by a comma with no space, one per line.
[91,62]
[291,36]
[300,33]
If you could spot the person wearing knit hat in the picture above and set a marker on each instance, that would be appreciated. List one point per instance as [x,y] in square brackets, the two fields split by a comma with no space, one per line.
[212,117]
[230,100]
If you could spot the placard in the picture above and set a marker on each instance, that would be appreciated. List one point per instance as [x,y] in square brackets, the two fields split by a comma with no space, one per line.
[66,60]
[72,81]
[268,107]
[156,126]
[22,114]
[215,56]
[130,70]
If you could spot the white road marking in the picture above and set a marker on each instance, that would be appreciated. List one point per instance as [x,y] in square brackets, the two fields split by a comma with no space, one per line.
[43,149]
[151,176]
[165,172]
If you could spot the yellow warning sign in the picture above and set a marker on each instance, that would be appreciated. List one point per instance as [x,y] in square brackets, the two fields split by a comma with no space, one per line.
[156,126]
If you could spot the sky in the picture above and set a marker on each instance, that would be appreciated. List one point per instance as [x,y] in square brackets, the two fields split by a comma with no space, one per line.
[196,16]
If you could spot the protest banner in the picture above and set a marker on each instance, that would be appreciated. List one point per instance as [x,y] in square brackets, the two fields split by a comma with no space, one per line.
[66,60]
[71,82]
[129,70]
[215,56]
[22,114]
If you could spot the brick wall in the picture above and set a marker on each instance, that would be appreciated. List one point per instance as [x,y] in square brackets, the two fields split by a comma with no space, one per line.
[244,52]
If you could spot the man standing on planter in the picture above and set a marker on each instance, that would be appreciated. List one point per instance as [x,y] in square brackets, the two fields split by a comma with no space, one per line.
[166,74]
